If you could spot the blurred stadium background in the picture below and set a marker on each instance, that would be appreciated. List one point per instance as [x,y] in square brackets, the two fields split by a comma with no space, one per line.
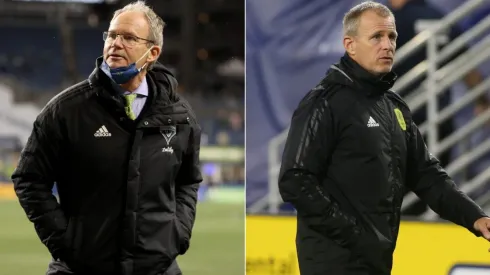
[50,45]
[291,44]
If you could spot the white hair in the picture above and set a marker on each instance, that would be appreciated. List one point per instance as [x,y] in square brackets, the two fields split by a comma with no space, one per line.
[155,22]
[352,17]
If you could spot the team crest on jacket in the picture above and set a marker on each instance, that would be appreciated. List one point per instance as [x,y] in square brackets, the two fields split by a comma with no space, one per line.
[168,132]
[401,120]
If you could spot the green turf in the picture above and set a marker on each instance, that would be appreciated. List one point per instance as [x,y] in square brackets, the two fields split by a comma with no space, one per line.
[217,245]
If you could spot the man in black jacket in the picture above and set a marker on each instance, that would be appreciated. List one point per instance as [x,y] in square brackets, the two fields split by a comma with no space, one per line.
[351,151]
[123,149]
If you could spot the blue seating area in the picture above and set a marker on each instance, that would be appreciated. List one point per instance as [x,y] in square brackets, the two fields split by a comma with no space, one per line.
[88,45]
[220,133]
[36,56]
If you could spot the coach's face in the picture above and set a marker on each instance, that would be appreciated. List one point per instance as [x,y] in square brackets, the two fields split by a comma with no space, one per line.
[128,47]
[374,44]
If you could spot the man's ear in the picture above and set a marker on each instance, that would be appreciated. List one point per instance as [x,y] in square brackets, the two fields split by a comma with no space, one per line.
[154,54]
[350,45]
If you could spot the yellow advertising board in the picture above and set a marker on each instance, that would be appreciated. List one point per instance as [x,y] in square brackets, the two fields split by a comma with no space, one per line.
[422,248]
[7,191]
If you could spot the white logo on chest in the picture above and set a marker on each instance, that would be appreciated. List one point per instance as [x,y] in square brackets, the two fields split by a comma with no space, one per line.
[372,122]
[168,133]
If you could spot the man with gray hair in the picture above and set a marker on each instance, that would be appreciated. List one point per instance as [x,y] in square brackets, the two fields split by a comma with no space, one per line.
[123,149]
[352,150]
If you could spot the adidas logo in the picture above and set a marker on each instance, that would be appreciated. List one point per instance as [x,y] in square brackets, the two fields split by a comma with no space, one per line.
[102,132]
[372,122]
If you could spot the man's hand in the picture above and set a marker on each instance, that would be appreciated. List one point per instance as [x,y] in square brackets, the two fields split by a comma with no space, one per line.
[482,225]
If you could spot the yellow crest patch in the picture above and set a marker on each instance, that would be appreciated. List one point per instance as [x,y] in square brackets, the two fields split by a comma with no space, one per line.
[401,120]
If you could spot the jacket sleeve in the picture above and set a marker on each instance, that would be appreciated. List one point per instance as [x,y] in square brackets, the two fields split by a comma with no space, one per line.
[433,185]
[309,144]
[33,181]
[187,185]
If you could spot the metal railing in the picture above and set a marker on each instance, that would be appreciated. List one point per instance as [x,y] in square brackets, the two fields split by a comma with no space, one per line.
[438,80]
[459,43]
[449,20]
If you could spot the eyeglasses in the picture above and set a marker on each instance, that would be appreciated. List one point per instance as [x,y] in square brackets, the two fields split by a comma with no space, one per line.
[128,40]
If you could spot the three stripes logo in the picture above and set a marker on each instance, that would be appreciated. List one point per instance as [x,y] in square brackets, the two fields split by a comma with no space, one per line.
[372,122]
[102,132]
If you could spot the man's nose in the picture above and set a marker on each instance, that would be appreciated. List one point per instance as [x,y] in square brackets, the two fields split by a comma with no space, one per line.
[387,43]
[117,42]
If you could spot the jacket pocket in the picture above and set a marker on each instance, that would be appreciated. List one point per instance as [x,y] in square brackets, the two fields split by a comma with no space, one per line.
[69,233]
[375,248]
[73,235]
[183,234]
[173,249]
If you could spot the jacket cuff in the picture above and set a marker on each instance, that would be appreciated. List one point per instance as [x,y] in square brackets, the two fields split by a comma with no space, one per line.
[472,218]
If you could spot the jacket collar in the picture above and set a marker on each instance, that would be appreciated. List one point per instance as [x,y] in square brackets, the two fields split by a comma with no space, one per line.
[160,85]
[363,79]
[163,100]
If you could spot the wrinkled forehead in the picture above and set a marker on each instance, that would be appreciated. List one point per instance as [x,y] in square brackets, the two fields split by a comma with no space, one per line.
[130,22]
[371,22]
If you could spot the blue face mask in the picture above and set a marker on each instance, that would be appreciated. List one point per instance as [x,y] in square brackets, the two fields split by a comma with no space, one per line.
[123,75]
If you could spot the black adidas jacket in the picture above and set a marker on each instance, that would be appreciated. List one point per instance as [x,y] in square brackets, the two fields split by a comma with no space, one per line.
[351,151]
[127,189]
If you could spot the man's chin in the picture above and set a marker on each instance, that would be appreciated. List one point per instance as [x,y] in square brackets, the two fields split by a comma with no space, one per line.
[116,63]
[383,70]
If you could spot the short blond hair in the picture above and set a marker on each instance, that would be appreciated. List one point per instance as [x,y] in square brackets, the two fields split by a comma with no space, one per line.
[353,16]
[155,22]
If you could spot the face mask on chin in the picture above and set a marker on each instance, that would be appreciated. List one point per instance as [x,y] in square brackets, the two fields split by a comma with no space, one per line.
[124,74]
